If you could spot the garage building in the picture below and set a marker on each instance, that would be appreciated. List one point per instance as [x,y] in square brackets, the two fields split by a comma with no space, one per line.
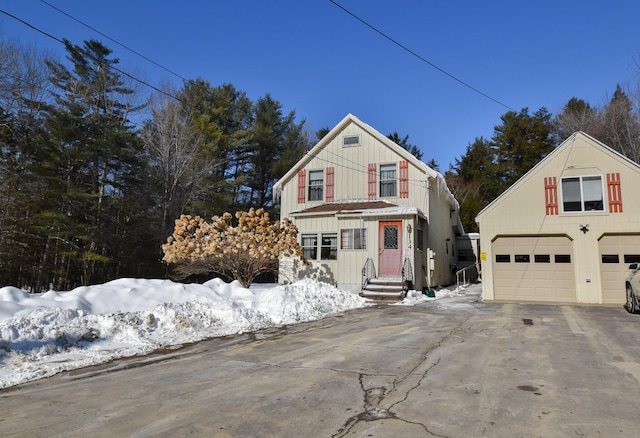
[566,231]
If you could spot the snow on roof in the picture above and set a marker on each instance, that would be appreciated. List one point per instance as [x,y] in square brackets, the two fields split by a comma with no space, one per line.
[360,208]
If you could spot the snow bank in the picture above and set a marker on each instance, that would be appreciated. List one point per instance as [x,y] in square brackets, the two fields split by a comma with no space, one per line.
[44,334]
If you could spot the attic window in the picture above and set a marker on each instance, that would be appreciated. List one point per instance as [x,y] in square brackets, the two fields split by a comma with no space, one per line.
[350,141]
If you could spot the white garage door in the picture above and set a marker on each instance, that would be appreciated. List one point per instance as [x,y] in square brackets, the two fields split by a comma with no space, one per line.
[616,253]
[534,269]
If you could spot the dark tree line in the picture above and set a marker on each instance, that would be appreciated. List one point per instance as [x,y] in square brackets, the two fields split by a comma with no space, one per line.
[93,175]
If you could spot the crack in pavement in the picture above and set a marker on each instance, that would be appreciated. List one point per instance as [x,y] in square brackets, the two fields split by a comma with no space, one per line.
[373,397]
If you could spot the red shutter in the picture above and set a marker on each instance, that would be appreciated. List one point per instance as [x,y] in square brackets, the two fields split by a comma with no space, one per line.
[551,195]
[372,180]
[615,193]
[404,179]
[302,183]
[329,196]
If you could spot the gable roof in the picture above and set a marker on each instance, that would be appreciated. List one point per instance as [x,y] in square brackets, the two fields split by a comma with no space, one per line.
[348,119]
[578,135]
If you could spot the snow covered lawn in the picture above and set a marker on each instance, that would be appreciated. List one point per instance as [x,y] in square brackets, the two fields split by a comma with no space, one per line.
[44,334]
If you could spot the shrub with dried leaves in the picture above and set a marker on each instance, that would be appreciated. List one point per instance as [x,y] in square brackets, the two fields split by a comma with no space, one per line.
[240,249]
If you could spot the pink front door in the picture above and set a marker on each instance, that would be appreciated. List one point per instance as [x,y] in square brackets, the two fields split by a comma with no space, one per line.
[390,249]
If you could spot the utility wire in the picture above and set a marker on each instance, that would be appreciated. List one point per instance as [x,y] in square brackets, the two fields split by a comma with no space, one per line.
[405,48]
[113,40]
[111,66]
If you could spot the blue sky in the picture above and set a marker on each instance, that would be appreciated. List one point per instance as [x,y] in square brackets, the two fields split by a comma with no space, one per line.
[320,61]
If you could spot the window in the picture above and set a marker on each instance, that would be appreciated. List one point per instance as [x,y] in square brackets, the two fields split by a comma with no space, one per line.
[562,258]
[521,258]
[353,238]
[582,193]
[316,183]
[542,258]
[390,233]
[310,246]
[420,240]
[632,258]
[503,258]
[388,180]
[329,246]
[350,140]
[610,258]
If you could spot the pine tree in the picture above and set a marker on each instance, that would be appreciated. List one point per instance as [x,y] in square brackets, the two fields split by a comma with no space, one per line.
[91,168]
[520,142]
[404,143]
[223,116]
[277,143]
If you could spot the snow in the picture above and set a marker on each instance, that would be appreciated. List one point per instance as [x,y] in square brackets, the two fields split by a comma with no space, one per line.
[44,334]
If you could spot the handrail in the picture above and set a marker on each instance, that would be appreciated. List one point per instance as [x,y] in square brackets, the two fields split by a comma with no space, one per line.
[368,272]
[469,274]
[407,273]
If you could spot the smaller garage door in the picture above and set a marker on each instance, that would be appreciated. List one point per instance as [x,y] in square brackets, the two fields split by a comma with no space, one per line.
[616,253]
[534,269]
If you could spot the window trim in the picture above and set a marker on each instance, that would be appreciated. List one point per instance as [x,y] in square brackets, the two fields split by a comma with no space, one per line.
[388,181]
[610,258]
[362,239]
[313,247]
[346,144]
[317,187]
[581,179]
[332,249]
[542,258]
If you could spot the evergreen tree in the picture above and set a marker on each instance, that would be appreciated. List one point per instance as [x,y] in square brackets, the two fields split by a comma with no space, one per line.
[223,116]
[91,169]
[404,143]
[23,89]
[490,167]
[473,181]
[322,132]
[520,142]
[278,142]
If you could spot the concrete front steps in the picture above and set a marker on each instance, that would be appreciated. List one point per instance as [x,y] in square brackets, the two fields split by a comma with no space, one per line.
[384,289]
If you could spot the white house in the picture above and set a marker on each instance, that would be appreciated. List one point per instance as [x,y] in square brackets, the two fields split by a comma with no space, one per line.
[369,215]
[566,231]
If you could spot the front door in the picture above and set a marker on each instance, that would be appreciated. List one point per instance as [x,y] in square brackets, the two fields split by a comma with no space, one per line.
[390,249]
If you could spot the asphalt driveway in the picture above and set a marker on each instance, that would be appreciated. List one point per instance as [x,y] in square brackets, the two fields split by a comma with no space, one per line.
[450,368]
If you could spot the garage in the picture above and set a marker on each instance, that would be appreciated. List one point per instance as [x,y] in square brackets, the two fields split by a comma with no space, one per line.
[534,268]
[616,252]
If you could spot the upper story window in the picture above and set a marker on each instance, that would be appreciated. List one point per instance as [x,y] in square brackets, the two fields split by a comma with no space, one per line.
[582,193]
[316,183]
[350,141]
[388,180]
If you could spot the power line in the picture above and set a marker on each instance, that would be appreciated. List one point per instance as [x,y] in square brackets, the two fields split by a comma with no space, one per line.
[111,66]
[113,40]
[406,49]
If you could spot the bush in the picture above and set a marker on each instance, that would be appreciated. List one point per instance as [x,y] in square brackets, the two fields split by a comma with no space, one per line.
[240,249]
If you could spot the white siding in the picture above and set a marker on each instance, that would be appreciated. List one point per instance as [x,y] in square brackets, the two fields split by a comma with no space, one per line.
[427,192]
